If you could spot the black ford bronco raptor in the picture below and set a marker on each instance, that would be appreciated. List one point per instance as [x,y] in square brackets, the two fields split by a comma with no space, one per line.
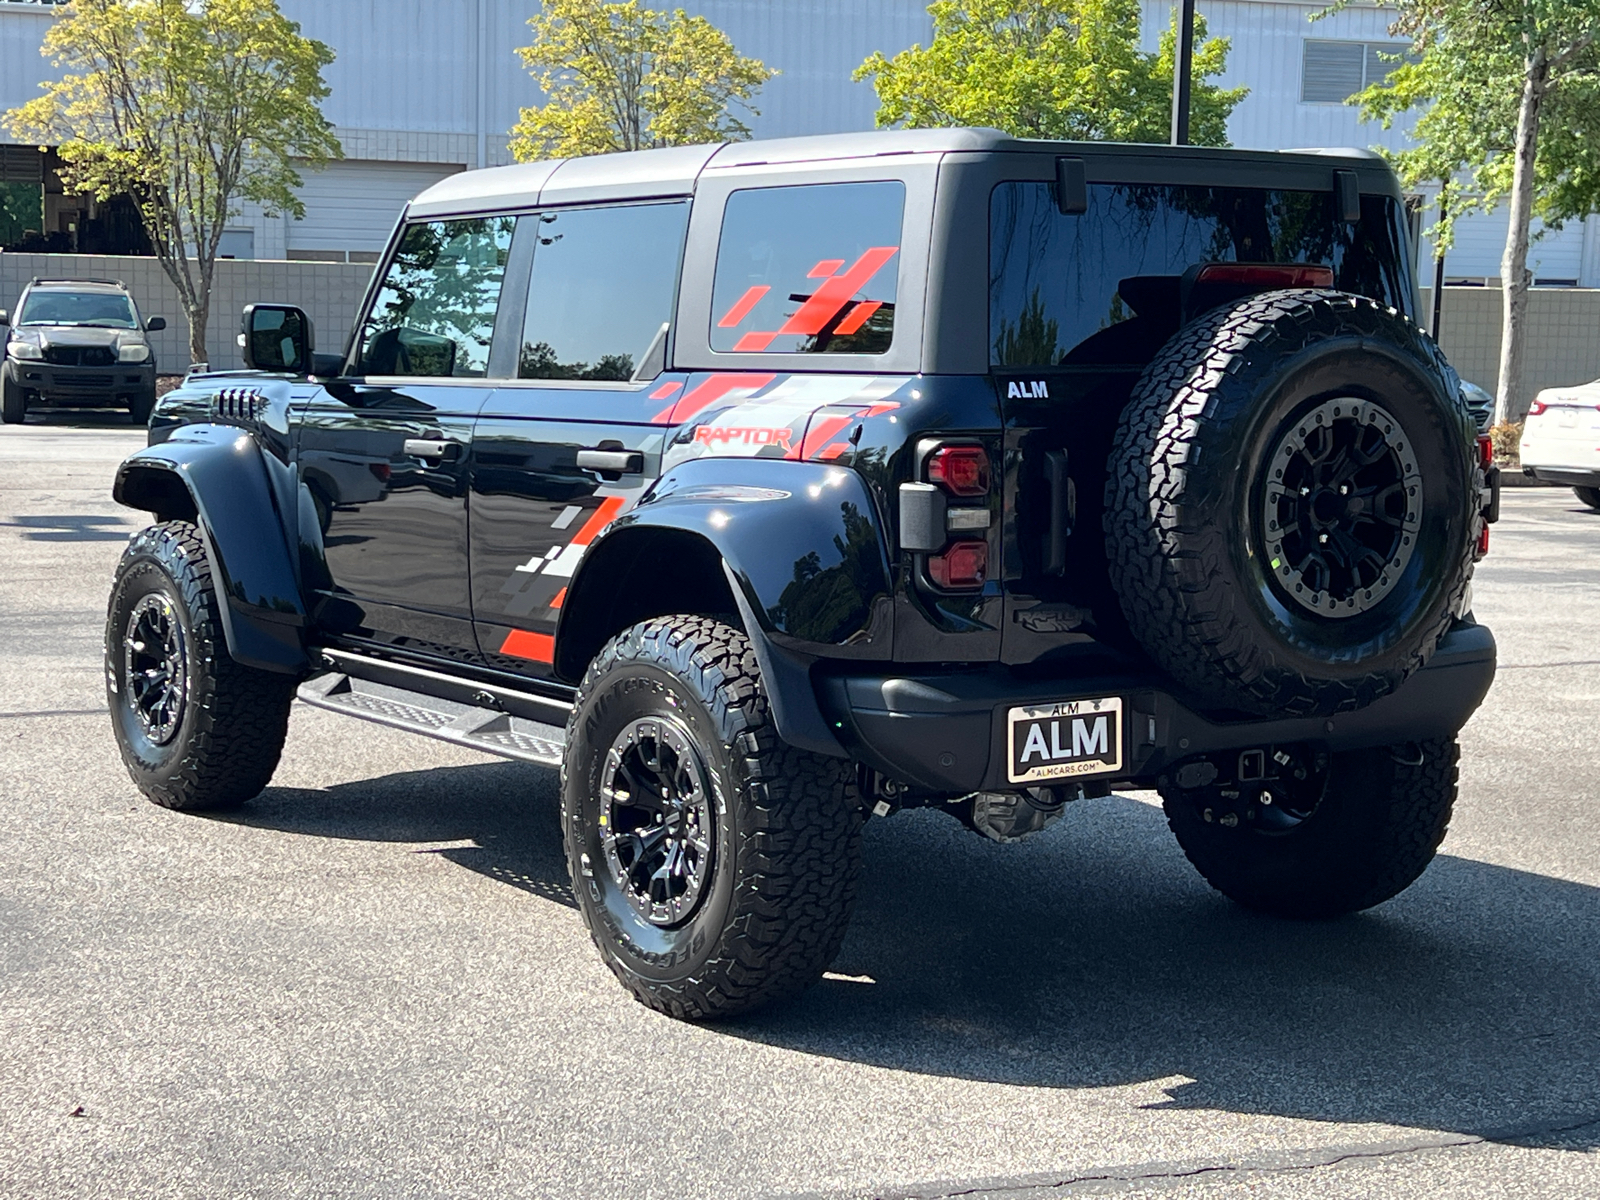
[765,487]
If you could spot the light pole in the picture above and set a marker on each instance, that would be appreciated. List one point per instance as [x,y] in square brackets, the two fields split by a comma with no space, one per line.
[1182,70]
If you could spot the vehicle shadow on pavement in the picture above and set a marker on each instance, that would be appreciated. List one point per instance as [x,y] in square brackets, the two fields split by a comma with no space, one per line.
[1093,956]
[508,810]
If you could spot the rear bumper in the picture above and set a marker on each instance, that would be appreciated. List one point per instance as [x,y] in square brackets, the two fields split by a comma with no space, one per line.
[947,733]
[51,381]
[1566,476]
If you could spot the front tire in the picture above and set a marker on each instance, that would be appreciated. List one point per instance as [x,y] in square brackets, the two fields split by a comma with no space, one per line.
[196,729]
[13,404]
[141,405]
[1590,496]
[714,865]
[1360,829]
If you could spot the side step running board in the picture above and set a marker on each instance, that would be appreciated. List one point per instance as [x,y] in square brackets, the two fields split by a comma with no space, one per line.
[447,720]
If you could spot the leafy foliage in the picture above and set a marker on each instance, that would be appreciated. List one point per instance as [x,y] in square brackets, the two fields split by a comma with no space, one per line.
[618,76]
[1050,69]
[190,108]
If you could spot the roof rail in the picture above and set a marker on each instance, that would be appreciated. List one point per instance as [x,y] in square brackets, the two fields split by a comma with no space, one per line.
[106,282]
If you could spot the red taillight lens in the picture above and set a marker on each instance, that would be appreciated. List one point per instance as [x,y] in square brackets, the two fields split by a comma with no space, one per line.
[963,565]
[1483,540]
[1267,274]
[960,470]
[1539,408]
[1485,451]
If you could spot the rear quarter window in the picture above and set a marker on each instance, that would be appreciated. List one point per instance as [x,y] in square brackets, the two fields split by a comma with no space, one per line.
[811,269]
[1067,289]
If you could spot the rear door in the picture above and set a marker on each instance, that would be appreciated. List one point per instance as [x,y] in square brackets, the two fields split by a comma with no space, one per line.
[563,449]
[386,454]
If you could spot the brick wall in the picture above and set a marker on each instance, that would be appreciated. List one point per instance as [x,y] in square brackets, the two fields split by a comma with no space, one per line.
[1563,336]
[329,292]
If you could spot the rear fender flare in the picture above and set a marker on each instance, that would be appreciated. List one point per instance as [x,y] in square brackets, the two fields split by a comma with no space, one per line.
[218,476]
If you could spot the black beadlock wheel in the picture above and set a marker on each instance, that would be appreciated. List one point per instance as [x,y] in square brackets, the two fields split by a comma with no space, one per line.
[196,729]
[714,865]
[1358,829]
[1291,504]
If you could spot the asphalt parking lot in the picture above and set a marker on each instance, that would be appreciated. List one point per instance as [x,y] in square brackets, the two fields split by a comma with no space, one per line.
[371,981]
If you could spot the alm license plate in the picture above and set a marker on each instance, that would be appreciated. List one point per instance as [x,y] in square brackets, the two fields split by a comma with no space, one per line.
[1069,740]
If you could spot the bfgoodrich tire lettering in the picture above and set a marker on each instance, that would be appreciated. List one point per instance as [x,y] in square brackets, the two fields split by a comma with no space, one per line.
[196,729]
[780,859]
[1190,536]
[1370,832]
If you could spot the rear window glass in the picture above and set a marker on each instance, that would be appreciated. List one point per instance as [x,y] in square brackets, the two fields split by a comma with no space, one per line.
[808,270]
[1067,289]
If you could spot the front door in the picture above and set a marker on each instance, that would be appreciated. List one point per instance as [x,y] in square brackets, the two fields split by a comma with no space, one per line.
[387,454]
[571,443]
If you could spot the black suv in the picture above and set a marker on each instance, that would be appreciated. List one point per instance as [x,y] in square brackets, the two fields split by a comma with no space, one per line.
[78,342]
[766,487]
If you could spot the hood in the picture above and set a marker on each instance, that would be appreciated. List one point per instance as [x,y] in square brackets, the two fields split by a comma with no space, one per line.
[82,335]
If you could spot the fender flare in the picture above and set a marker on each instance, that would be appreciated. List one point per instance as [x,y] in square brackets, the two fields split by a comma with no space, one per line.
[238,502]
[802,551]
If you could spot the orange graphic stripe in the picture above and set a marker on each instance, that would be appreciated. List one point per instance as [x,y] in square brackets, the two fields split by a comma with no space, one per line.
[857,316]
[598,520]
[539,647]
[666,389]
[742,307]
[561,598]
[706,393]
[836,292]
[821,431]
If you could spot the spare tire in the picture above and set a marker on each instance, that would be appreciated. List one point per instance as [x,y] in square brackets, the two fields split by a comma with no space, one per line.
[1290,508]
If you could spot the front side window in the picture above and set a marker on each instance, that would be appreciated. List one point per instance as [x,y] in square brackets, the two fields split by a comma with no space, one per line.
[602,290]
[808,270]
[103,310]
[434,314]
[1105,285]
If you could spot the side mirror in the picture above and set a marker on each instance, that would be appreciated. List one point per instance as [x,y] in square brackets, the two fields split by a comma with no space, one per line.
[276,337]
[5,318]
[155,324]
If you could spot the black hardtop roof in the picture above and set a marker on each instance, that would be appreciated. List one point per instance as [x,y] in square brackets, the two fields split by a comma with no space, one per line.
[673,171]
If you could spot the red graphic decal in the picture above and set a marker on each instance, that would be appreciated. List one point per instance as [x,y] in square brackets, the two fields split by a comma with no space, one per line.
[829,453]
[825,268]
[857,316]
[561,598]
[836,292]
[539,647]
[666,389]
[706,393]
[877,410]
[598,520]
[822,431]
[749,435]
[746,302]
[752,343]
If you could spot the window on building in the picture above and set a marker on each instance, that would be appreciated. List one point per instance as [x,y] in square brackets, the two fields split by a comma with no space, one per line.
[1332,72]
[808,270]
[604,281]
[434,314]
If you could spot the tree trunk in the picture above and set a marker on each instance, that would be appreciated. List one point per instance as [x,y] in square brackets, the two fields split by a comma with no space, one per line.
[1514,278]
[199,313]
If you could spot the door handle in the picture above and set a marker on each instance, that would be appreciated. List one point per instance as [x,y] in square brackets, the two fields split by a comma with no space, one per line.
[435,450]
[618,462]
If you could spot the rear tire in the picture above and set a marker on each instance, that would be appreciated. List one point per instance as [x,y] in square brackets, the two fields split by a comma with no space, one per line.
[196,729]
[1372,827]
[13,404]
[1590,496]
[714,865]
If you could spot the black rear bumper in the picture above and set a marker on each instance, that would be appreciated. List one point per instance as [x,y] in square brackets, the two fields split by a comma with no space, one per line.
[947,732]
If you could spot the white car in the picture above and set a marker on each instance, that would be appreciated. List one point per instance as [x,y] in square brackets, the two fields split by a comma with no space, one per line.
[1561,439]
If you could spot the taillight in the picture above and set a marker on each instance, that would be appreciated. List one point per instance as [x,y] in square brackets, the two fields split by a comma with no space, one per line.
[960,470]
[1538,408]
[962,565]
[1275,275]
[1485,451]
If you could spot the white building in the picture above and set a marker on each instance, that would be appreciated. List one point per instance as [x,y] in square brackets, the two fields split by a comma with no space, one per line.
[423,88]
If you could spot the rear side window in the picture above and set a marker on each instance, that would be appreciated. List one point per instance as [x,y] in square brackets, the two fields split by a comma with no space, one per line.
[602,289]
[434,314]
[1099,286]
[808,270]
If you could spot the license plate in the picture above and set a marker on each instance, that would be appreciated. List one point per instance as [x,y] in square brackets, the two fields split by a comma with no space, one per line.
[1069,740]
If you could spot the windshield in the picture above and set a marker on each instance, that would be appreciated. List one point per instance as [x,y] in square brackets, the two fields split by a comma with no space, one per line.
[108,310]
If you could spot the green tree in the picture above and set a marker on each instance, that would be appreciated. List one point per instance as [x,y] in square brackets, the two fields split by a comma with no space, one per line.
[623,77]
[1510,92]
[191,107]
[1050,69]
